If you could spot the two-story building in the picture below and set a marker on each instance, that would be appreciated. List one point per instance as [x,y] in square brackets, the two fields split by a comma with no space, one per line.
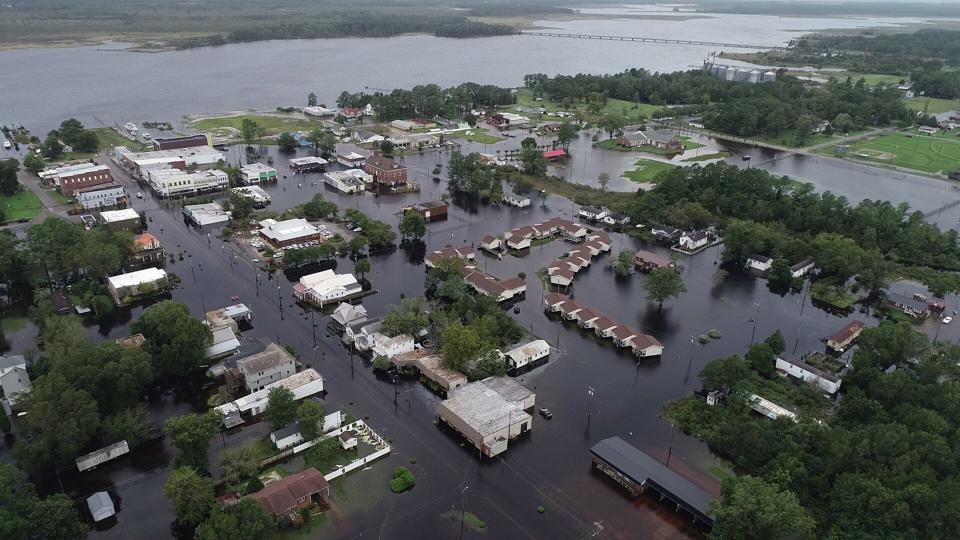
[268,366]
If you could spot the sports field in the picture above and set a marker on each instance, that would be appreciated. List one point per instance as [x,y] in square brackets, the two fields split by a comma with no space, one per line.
[921,153]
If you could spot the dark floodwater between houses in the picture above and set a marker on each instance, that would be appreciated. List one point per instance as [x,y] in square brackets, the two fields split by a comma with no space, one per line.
[551,466]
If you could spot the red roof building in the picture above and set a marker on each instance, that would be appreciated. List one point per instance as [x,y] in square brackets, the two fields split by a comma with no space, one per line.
[554,154]
[842,339]
[293,492]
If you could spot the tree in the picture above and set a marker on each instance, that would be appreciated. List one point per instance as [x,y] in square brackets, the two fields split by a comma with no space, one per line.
[461,345]
[623,265]
[50,439]
[837,255]
[33,163]
[132,425]
[114,376]
[239,206]
[24,517]
[386,147]
[603,180]
[52,147]
[611,124]
[412,225]
[70,129]
[190,494]
[663,283]
[755,509]
[843,123]
[249,131]
[244,520]
[8,176]
[311,100]
[55,518]
[488,364]
[191,434]
[310,414]
[566,134]
[362,267]
[239,463]
[804,128]
[286,142]
[522,186]
[86,141]
[761,358]
[780,274]
[356,245]
[176,341]
[403,480]
[776,342]
[533,161]
[281,407]
[409,317]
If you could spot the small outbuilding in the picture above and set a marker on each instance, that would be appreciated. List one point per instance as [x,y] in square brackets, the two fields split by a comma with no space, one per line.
[101,506]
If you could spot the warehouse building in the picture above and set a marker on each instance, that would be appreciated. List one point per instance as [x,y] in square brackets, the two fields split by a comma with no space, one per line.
[489,413]
[291,231]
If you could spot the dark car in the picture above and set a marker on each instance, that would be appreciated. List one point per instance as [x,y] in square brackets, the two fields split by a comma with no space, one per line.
[546,413]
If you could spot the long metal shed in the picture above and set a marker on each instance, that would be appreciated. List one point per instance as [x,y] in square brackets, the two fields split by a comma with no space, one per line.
[637,471]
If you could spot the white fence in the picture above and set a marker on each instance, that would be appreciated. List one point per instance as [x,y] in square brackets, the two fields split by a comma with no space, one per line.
[358,426]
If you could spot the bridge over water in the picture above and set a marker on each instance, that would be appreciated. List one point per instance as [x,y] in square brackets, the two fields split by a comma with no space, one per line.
[641,39]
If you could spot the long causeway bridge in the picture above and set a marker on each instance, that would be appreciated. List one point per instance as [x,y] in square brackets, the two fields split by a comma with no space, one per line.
[640,39]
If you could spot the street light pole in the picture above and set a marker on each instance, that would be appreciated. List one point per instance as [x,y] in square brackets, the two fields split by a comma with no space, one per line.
[463,511]
[279,300]
[589,405]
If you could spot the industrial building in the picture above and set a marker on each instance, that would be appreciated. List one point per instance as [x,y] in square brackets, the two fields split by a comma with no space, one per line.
[739,73]
[348,181]
[291,231]
[489,413]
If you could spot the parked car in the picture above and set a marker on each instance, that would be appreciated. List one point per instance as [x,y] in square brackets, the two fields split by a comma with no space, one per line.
[546,413]
[139,195]
[947,320]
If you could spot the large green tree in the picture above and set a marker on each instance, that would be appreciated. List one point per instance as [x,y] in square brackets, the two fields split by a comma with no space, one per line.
[244,520]
[412,225]
[310,414]
[8,176]
[23,516]
[176,341]
[239,463]
[663,284]
[461,346]
[191,434]
[755,509]
[191,495]
[281,407]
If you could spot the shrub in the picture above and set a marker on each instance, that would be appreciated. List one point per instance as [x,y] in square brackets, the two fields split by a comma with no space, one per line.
[254,485]
[714,334]
[403,480]
[541,509]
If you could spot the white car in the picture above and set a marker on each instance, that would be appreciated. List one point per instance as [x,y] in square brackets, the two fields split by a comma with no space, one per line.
[947,320]
[139,195]
[7,145]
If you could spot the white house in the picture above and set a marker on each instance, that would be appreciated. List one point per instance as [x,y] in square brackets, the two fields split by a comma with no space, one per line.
[326,287]
[348,439]
[798,369]
[351,159]
[491,243]
[561,277]
[346,314]
[304,384]
[593,214]
[694,240]
[802,268]
[646,345]
[605,327]
[225,343]
[586,318]
[519,202]
[527,354]
[134,284]
[391,346]
[616,219]
[363,136]
[14,380]
[552,301]
[759,263]
[623,336]
[348,181]
[266,367]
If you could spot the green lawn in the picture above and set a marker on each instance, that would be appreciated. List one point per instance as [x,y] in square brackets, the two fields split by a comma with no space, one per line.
[646,170]
[13,324]
[789,139]
[108,138]
[921,153]
[611,144]
[872,79]
[58,197]
[632,112]
[274,124]
[23,205]
[477,136]
[707,157]
[933,105]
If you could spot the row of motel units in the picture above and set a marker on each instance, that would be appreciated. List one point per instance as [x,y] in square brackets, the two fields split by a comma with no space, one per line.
[326,287]
[563,270]
[642,345]
[72,178]
[257,173]
[303,384]
[487,285]
[465,252]
[133,284]
[280,234]
[348,181]
[167,181]
[522,237]
[100,196]
[302,165]
[201,157]
[489,413]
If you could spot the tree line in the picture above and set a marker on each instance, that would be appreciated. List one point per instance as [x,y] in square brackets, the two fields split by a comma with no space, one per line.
[429,101]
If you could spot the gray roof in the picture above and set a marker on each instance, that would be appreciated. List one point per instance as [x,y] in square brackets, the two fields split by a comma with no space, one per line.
[284,432]
[100,505]
[642,469]
[759,258]
[908,302]
[14,360]
[271,357]
[802,264]
[510,389]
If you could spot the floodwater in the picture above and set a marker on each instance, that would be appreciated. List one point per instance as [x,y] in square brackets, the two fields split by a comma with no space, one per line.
[106,85]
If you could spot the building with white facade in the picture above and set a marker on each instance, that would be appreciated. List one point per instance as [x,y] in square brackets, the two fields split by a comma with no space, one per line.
[257,173]
[167,181]
[266,367]
[489,413]
[14,380]
[325,287]
[527,354]
[181,158]
[304,384]
[291,231]
[391,346]
[348,181]
[103,196]
[134,284]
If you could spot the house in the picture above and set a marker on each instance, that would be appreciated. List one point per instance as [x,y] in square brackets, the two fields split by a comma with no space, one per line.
[569,309]
[527,354]
[385,171]
[488,285]
[86,175]
[224,343]
[266,367]
[362,136]
[586,318]
[351,159]
[824,379]
[348,439]
[553,301]
[907,304]
[257,173]
[465,252]
[302,165]
[391,346]
[293,492]
[694,240]
[346,314]
[802,268]
[147,251]
[291,231]
[431,211]
[348,181]
[14,380]
[326,287]
[303,384]
[665,232]
[442,379]
[100,506]
[287,436]
[561,277]
[647,261]
[592,214]
[103,455]
[771,410]
[403,125]
[361,332]
[229,316]
[759,263]
[519,202]
[125,287]
[491,243]
[604,327]
[105,195]
[175,143]
[489,413]
[662,140]
[317,111]
[616,219]
[645,346]
[126,219]
[623,336]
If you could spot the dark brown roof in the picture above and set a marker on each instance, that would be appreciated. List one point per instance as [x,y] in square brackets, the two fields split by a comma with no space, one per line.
[847,332]
[347,435]
[384,163]
[553,298]
[642,341]
[281,496]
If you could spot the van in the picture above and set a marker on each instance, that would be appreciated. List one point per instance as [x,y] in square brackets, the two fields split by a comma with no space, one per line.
[7,145]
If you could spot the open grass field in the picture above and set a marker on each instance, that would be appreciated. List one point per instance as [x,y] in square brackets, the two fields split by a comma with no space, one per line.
[646,170]
[921,153]
[632,112]
[477,136]
[707,157]
[108,138]
[789,139]
[23,205]
[871,78]
[611,144]
[933,105]
[273,123]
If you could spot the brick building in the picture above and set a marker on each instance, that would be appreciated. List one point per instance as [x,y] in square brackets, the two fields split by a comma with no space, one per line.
[385,171]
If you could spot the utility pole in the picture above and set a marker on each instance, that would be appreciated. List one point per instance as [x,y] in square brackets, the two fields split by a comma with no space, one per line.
[463,511]
[670,445]
[756,313]
[589,405]
[313,325]
[279,300]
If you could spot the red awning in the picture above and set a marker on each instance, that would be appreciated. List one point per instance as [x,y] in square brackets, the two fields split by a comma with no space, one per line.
[554,153]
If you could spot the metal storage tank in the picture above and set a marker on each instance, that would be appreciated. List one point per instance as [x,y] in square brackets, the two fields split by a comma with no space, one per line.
[769,76]
[731,74]
[722,72]
[754,76]
[742,75]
